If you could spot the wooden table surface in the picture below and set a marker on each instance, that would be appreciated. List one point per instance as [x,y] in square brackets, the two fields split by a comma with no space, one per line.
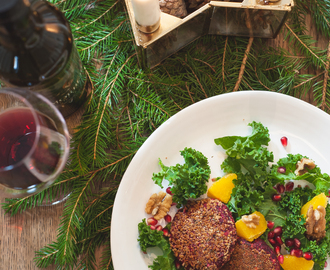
[25,233]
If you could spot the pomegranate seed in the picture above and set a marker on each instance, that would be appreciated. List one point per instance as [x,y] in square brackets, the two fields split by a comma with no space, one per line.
[278,231]
[296,252]
[299,186]
[152,221]
[299,253]
[272,242]
[168,218]
[271,235]
[281,170]
[166,232]
[289,186]
[159,228]
[296,243]
[325,264]
[173,203]
[277,250]
[278,239]
[270,224]
[289,242]
[284,141]
[280,188]
[276,197]
[308,256]
[214,179]
[280,259]
[152,227]
[177,264]
[144,252]
[168,191]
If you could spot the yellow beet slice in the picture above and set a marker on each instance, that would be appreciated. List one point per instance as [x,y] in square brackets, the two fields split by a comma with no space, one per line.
[318,200]
[292,263]
[248,233]
[222,188]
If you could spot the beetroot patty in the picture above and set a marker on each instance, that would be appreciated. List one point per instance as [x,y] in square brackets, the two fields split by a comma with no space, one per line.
[256,255]
[203,235]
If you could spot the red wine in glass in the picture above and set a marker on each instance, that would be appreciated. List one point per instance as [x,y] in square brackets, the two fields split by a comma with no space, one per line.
[19,144]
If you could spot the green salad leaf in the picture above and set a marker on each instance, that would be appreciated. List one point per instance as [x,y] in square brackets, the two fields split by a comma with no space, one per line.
[148,237]
[188,181]
[250,159]
[249,152]
[154,238]
[165,261]
[321,181]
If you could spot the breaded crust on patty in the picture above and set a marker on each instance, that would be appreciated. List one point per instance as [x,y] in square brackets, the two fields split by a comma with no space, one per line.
[203,234]
[256,255]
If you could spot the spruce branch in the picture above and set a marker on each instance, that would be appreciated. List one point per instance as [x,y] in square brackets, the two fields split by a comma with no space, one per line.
[187,87]
[299,39]
[223,63]
[325,80]
[106,102]
[198,81]
[241,72]
[105,37]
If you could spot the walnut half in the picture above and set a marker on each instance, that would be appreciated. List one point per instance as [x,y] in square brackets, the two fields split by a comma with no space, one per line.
[315,223]
[159,204]
[251,221]
[303,165]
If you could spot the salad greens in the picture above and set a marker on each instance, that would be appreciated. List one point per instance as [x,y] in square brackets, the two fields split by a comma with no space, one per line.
[249,155]
[314,176]
[148,237]
[188,181]
[257,178]
[249,158]
[154,238]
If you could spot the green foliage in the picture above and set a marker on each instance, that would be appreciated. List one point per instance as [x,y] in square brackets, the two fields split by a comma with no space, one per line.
[127,104]
[249,158]
[165,261]
[189,180]
[247,152]
[321,181]
[148,237]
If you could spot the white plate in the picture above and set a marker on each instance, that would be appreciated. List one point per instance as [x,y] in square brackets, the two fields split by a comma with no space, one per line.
[307,129]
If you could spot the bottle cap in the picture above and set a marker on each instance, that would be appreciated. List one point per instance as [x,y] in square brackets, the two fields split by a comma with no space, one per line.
[12,9]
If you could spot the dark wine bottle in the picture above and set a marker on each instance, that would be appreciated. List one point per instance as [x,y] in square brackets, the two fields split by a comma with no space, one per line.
[37,52]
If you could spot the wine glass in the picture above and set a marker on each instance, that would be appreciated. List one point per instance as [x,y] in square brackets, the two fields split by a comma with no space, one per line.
[34,143]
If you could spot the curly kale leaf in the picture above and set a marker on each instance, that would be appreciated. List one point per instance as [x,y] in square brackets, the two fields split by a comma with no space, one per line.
[320,251]
[245,197]
[248,152]
[270,209]
[293,201]
[249,158]
[189,180]
[165,261]
[259,137]
[314,176]
[148,237]
[294,226]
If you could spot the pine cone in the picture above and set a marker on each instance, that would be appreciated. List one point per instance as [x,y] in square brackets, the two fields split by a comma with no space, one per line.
[176,8]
